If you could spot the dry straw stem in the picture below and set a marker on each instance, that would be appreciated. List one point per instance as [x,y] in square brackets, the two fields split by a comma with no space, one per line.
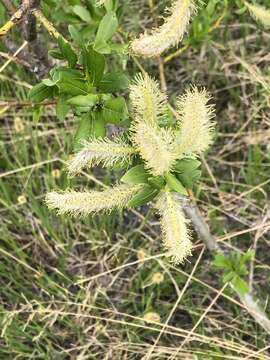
[175,232]
[101,151]
[167,35]
[148,102]
[84,203]
[196,128]
[155,147]
[259,13]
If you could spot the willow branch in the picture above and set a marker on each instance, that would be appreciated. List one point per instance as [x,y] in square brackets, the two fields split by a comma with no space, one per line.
[16,17]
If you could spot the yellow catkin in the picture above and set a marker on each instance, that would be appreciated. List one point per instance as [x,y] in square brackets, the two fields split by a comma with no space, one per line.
[148,101]
[196,127]
[167,35]
[155,147]
[259,13]
[175,232]
[84,203]
[101,151]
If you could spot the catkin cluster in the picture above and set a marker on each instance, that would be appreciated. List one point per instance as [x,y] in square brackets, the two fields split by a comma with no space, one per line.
[159,148]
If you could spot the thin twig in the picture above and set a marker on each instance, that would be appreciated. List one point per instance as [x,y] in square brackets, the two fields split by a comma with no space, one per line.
[14,59]
[47,24]
[16,17]
[193,213]
[22,104]
[14,55]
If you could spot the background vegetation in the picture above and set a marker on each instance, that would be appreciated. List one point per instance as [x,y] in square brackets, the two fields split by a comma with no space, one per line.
[100,288]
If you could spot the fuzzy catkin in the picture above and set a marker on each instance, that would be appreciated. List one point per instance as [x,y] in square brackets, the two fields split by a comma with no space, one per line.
[155,147]
[259,13]
[176,237]
[167,35]
[84,203]
[148,101]
[196,127]
[100,151]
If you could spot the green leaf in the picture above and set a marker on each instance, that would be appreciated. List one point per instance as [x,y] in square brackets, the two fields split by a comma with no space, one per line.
[247,256]
[113,82]
[106,29]
[37,113]
[40,92]
[48,82]
[75,34]
[109,5]
[222,261]
[88,100]
[56,54]
[158,182]
[67,52]
[115,110]
[62,108]
[188,172]
[186,165]
[70,81]
[98,128]
[145,195]
[82,12]
[228,276]
[240,285]
[175,185]
[136,175]
[90,126]
[83,132]
[188,179]
[94,63]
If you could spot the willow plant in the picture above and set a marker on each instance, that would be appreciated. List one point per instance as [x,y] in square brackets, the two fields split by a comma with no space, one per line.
[161,157]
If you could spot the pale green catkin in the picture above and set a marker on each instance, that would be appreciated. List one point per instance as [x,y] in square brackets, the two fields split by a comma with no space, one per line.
[77,203]
[194,117]
[167,35]
[101,151]
[259,13]
[176,237]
